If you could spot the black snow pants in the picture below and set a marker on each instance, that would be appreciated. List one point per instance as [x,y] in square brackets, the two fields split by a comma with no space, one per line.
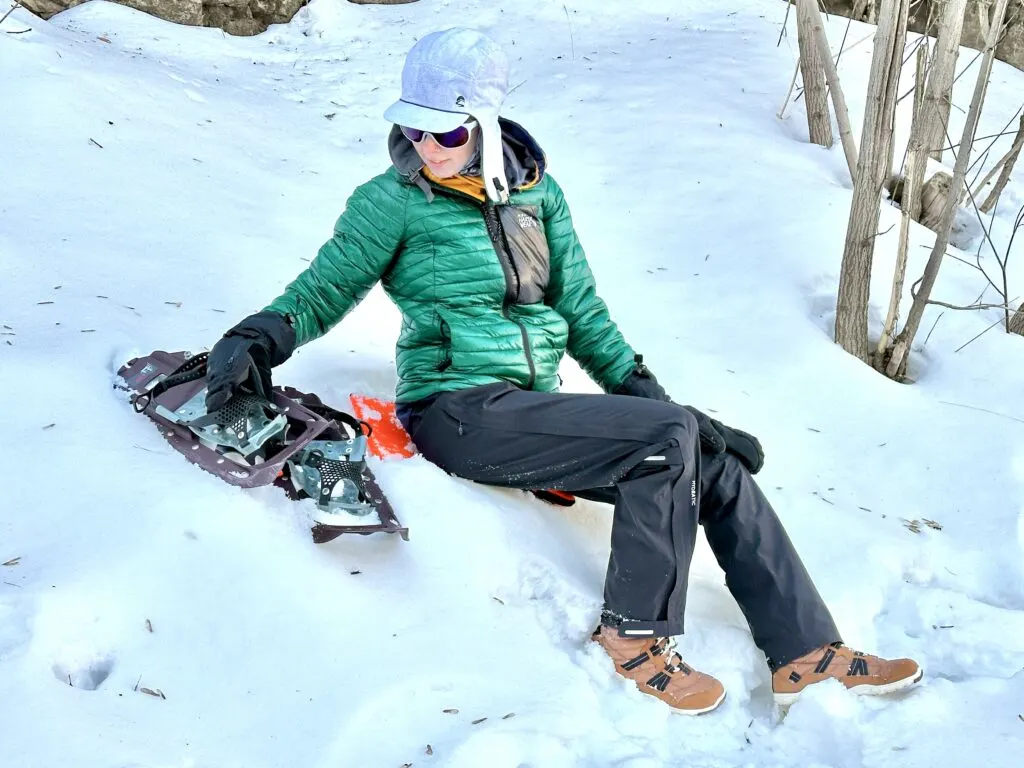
[643,456]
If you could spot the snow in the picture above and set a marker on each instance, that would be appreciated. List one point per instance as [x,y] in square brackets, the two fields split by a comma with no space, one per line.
[161,182]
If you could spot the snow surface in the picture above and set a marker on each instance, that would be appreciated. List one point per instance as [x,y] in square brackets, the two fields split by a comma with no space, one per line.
[160,182]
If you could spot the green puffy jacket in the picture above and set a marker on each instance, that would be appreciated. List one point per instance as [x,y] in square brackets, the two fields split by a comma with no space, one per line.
[487,293]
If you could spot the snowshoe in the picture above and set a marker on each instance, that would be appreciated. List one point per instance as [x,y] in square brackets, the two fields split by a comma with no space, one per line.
[293,441]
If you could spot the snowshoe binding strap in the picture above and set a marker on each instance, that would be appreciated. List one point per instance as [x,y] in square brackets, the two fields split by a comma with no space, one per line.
[244,424]
[331,472]
[192,369]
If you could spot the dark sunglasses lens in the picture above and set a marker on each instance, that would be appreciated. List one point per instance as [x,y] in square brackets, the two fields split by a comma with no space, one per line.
[448,139]
[452,139]
[412,134]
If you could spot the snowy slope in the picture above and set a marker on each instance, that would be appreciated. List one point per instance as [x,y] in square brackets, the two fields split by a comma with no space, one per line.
[161,182]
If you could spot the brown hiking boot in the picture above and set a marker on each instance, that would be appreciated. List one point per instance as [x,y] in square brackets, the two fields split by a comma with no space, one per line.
[860,672]
[653,664]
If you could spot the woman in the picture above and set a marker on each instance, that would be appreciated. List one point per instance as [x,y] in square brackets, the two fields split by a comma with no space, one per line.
[472,239]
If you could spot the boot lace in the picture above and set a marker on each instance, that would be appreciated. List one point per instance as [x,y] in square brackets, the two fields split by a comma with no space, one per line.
[666,646]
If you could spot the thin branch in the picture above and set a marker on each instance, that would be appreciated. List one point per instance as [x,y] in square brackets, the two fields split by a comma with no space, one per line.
[842,43]
[1008,162]
[781,114]
[968,307]
[983,410]
[785,22]
[932,329]
[975,338]
[974,204]
[12,9]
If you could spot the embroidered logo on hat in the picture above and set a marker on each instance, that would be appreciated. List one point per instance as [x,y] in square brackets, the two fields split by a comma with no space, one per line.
[460,101]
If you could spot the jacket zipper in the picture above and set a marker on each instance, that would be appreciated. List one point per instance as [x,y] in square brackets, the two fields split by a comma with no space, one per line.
[497,234]
[500,242]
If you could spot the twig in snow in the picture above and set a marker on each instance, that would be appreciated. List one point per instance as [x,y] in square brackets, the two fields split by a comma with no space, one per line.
[149,626]
[93,141]
[572,42]
[983,410]
[51,425]
[932,329]
[12,562]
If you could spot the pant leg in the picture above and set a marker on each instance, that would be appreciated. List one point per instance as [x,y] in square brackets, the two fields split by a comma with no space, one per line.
[646,449]
[763,571]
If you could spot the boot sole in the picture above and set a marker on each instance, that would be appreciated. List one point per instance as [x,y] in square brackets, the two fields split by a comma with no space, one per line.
[702,711]
[786,699]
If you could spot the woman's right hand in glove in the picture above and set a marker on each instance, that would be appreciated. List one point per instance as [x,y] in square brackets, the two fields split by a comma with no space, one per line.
[243,357]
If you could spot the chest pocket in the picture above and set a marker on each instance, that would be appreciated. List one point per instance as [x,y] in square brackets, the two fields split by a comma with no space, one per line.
[528,250]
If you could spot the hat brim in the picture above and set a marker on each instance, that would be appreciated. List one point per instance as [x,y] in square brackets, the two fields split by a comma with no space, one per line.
[426,119]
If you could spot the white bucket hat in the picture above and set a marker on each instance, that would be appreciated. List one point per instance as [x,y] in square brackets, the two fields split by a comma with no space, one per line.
[448,76]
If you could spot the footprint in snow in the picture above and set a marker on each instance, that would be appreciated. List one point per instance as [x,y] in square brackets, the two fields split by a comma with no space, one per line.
[563,610]
[85,673]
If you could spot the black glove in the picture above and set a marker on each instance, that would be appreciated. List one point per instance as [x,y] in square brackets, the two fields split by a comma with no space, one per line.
[715,437]
[245,355]
[641,383]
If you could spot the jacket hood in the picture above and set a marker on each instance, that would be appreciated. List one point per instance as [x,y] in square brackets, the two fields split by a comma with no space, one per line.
[525,163]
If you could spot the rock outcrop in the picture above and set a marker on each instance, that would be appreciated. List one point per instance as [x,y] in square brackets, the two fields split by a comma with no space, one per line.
[237,17]
[1010,49]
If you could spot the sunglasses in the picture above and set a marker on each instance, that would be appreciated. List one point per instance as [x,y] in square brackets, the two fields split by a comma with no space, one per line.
[449,139]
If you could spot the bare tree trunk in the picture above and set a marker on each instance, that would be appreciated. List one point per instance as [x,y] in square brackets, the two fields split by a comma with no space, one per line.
[939,95]
[911,201]
[898,362]
[872,171]
[1017,321]
[819,123]
[1007,163]
[838,100]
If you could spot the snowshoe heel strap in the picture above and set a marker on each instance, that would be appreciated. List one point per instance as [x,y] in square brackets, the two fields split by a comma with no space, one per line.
[192,369]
